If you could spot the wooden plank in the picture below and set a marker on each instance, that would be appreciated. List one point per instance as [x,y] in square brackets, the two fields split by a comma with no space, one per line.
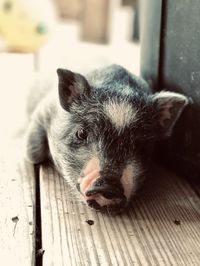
[161,227]
[17,234]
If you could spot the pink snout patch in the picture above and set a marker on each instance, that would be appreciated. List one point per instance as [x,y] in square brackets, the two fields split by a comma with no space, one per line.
[91,173]
[88,180]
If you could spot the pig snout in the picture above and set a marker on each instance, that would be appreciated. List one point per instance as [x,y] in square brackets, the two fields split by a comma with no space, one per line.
[99,192]
[108,190]
[103,187]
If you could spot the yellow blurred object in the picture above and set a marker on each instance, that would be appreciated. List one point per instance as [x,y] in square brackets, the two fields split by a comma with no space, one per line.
[25,24]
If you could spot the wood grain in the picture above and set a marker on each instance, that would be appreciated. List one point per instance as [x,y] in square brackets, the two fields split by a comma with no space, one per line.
[148,233]
[17,236]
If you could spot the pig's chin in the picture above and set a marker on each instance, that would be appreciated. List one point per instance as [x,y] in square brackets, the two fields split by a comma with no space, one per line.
[101,203]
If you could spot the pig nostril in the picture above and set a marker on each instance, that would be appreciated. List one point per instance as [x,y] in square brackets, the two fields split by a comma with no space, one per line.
[90,192]
[107,192]
[110,194]
[106,189]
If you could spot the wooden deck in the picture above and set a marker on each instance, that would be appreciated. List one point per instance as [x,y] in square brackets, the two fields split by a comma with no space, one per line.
[161,227]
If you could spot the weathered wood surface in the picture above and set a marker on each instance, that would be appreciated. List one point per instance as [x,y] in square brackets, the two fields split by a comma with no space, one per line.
[162,227]
[17,197]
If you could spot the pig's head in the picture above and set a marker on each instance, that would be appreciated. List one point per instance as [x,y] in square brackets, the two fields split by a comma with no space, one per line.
[103,133]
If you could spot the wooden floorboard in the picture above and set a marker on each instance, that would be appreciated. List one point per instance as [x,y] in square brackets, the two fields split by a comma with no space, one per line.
[161,227]
[17,199]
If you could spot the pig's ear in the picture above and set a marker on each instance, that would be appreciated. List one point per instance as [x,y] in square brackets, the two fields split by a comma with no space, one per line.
[169,106]
[70,85]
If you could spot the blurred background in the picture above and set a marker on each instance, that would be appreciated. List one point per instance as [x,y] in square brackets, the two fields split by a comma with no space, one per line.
[43,35]
[159,38]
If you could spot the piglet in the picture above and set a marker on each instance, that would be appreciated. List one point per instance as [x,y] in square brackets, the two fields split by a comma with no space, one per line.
[100,132]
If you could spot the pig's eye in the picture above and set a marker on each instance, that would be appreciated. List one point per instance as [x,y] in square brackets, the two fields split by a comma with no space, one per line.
[81,134]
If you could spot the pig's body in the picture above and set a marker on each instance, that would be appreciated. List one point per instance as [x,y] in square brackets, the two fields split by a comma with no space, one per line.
[101,131]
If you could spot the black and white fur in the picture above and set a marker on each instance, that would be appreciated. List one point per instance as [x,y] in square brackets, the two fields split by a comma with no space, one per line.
[101,130]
